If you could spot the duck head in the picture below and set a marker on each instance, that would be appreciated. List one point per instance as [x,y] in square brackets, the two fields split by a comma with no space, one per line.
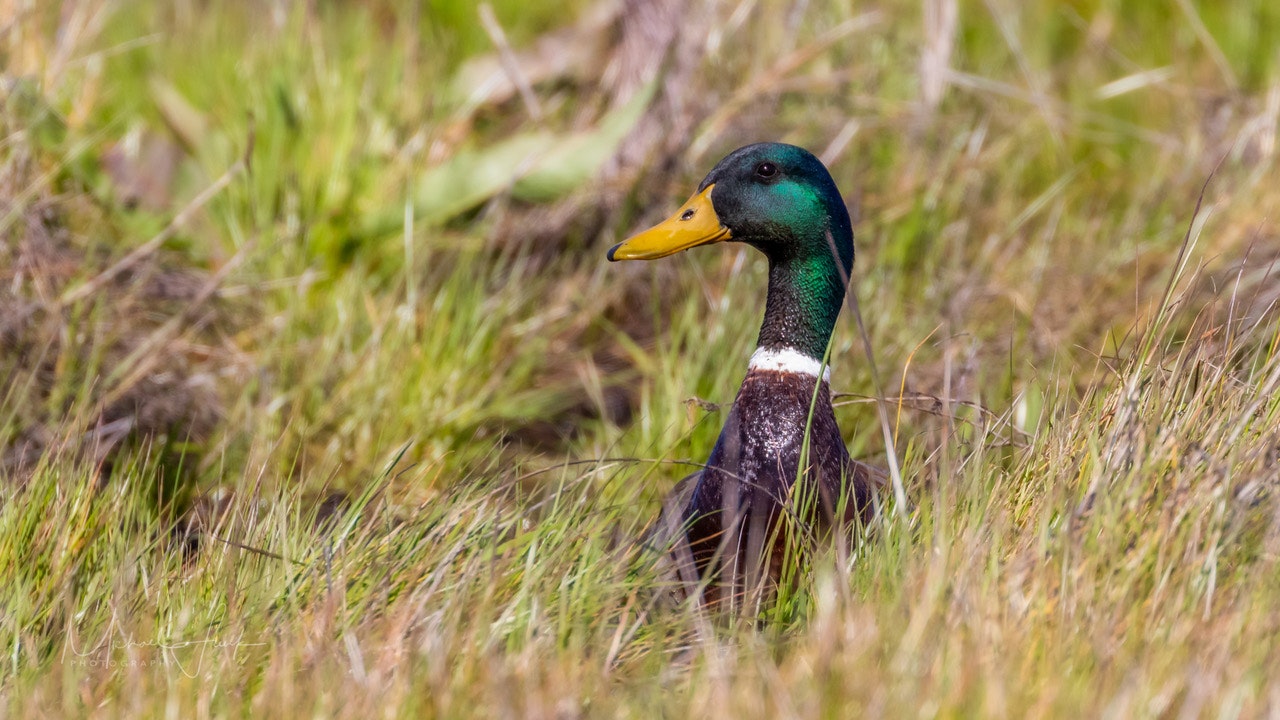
[781,200]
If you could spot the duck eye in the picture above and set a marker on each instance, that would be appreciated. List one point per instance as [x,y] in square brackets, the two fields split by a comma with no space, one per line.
[766,170]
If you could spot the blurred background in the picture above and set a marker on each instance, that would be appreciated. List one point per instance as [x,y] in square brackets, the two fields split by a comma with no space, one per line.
[268,262]
[299,236]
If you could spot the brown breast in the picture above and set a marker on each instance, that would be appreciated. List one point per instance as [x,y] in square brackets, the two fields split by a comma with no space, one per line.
[735,532]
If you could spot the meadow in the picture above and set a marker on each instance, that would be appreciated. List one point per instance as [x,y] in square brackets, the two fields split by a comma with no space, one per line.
[318,396]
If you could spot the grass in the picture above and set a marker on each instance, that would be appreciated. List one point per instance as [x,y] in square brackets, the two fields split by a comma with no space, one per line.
[1078,338]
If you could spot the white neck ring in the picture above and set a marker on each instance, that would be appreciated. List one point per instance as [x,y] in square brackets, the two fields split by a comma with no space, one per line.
[788,360]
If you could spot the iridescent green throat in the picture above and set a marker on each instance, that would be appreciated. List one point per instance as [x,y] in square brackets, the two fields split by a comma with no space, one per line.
[805,295]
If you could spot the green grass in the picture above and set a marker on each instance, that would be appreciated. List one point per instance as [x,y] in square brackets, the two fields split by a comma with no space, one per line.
[1087,424]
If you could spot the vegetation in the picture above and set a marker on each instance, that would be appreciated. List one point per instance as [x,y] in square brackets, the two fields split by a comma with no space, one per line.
[317,395]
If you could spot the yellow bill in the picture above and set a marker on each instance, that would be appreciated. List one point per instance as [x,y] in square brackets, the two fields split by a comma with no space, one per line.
[695,223]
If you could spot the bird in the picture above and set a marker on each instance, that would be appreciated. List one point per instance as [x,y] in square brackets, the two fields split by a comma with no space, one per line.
[780,466]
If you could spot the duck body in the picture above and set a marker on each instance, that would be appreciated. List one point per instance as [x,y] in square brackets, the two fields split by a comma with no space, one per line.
[780,465]
[732,515]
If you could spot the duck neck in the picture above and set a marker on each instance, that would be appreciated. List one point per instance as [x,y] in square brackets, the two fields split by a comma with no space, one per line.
[805,294]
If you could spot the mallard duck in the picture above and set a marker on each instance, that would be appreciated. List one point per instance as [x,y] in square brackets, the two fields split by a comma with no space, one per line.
[723,522]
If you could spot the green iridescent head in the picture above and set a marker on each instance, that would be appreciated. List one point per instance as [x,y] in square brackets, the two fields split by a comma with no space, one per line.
[775,197]
[781,200]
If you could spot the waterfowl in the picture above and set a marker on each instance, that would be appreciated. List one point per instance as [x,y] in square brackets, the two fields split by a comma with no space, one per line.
[780,453]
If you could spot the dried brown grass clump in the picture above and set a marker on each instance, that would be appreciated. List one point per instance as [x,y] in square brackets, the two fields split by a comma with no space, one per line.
[98,351]
[617,53]
[85,377]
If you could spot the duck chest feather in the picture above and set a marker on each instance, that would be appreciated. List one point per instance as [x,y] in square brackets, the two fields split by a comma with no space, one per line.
[750,479]
[763,443]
